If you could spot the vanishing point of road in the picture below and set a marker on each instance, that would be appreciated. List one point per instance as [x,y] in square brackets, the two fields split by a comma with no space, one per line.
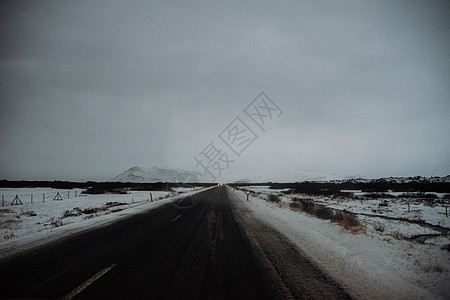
[208,246]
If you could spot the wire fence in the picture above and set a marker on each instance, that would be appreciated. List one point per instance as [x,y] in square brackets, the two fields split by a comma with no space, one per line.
[10,199]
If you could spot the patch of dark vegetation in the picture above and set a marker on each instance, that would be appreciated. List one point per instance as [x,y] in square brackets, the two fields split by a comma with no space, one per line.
[112,204]
[92,187]
[50,184]
[347,219]
[383,203]
[124,187]
[29,213]
[341,194]
[397,234]
[93,210]
[378,226]
[54,222]
[274,198]
[421,195]
[72,213]
[377,195]
[374,185]
[446,247]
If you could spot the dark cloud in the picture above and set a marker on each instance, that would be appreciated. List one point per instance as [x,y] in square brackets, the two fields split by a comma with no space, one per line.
[89,88]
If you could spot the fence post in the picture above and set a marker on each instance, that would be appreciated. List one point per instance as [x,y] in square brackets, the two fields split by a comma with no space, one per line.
[151,197]
[408,208]
[3,200]
[68,194]
[76,193]
[446,214]
[43,197]
[31,198]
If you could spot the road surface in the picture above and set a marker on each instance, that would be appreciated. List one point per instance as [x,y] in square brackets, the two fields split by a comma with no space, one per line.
[215,249]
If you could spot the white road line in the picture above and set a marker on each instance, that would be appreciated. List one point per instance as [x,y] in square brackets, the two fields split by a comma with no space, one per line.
[87,283]
[176,218]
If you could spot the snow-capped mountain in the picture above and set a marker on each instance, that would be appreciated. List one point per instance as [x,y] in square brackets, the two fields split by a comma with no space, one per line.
[155,174]
[287,175]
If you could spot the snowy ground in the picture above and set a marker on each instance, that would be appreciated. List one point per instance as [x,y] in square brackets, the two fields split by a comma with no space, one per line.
[30,224]
[405,217]
[370,264]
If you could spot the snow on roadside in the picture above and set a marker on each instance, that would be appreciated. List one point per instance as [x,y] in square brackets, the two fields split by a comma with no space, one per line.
[32,224]
[369,265]
[393,216]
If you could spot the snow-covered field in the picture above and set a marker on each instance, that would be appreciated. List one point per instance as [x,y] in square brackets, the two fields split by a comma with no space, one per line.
[405,217]
[379,261]
[45,219]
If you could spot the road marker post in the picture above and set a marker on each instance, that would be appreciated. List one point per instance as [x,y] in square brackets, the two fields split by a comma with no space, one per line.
[247,195]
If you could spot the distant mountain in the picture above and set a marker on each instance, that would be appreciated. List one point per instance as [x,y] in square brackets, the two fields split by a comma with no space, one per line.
[155,174]
[285,176]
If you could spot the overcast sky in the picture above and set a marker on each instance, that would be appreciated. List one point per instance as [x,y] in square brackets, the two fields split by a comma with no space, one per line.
[91,88]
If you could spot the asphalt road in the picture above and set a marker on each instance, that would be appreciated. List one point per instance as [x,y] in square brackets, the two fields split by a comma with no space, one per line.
[215,249]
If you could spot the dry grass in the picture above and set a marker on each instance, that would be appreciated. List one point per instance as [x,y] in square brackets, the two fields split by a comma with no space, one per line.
[9,224]
[433,269]
[295,206]
[378,226]
[344,218]
[274,198]
[352,224]
[282,205]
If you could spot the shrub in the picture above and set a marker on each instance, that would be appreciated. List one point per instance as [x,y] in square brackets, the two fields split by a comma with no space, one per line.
[377,195]
[378,226]
[383,203]
[344,194]
[350,221]
[274,198]
[91,210]
[29,213]
[112,204]
[446,247]
[397,234]
[418,195]
[55,223]
[9,235]
[68,213]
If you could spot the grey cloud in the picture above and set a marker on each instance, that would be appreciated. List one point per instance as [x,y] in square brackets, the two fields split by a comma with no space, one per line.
[90,88]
